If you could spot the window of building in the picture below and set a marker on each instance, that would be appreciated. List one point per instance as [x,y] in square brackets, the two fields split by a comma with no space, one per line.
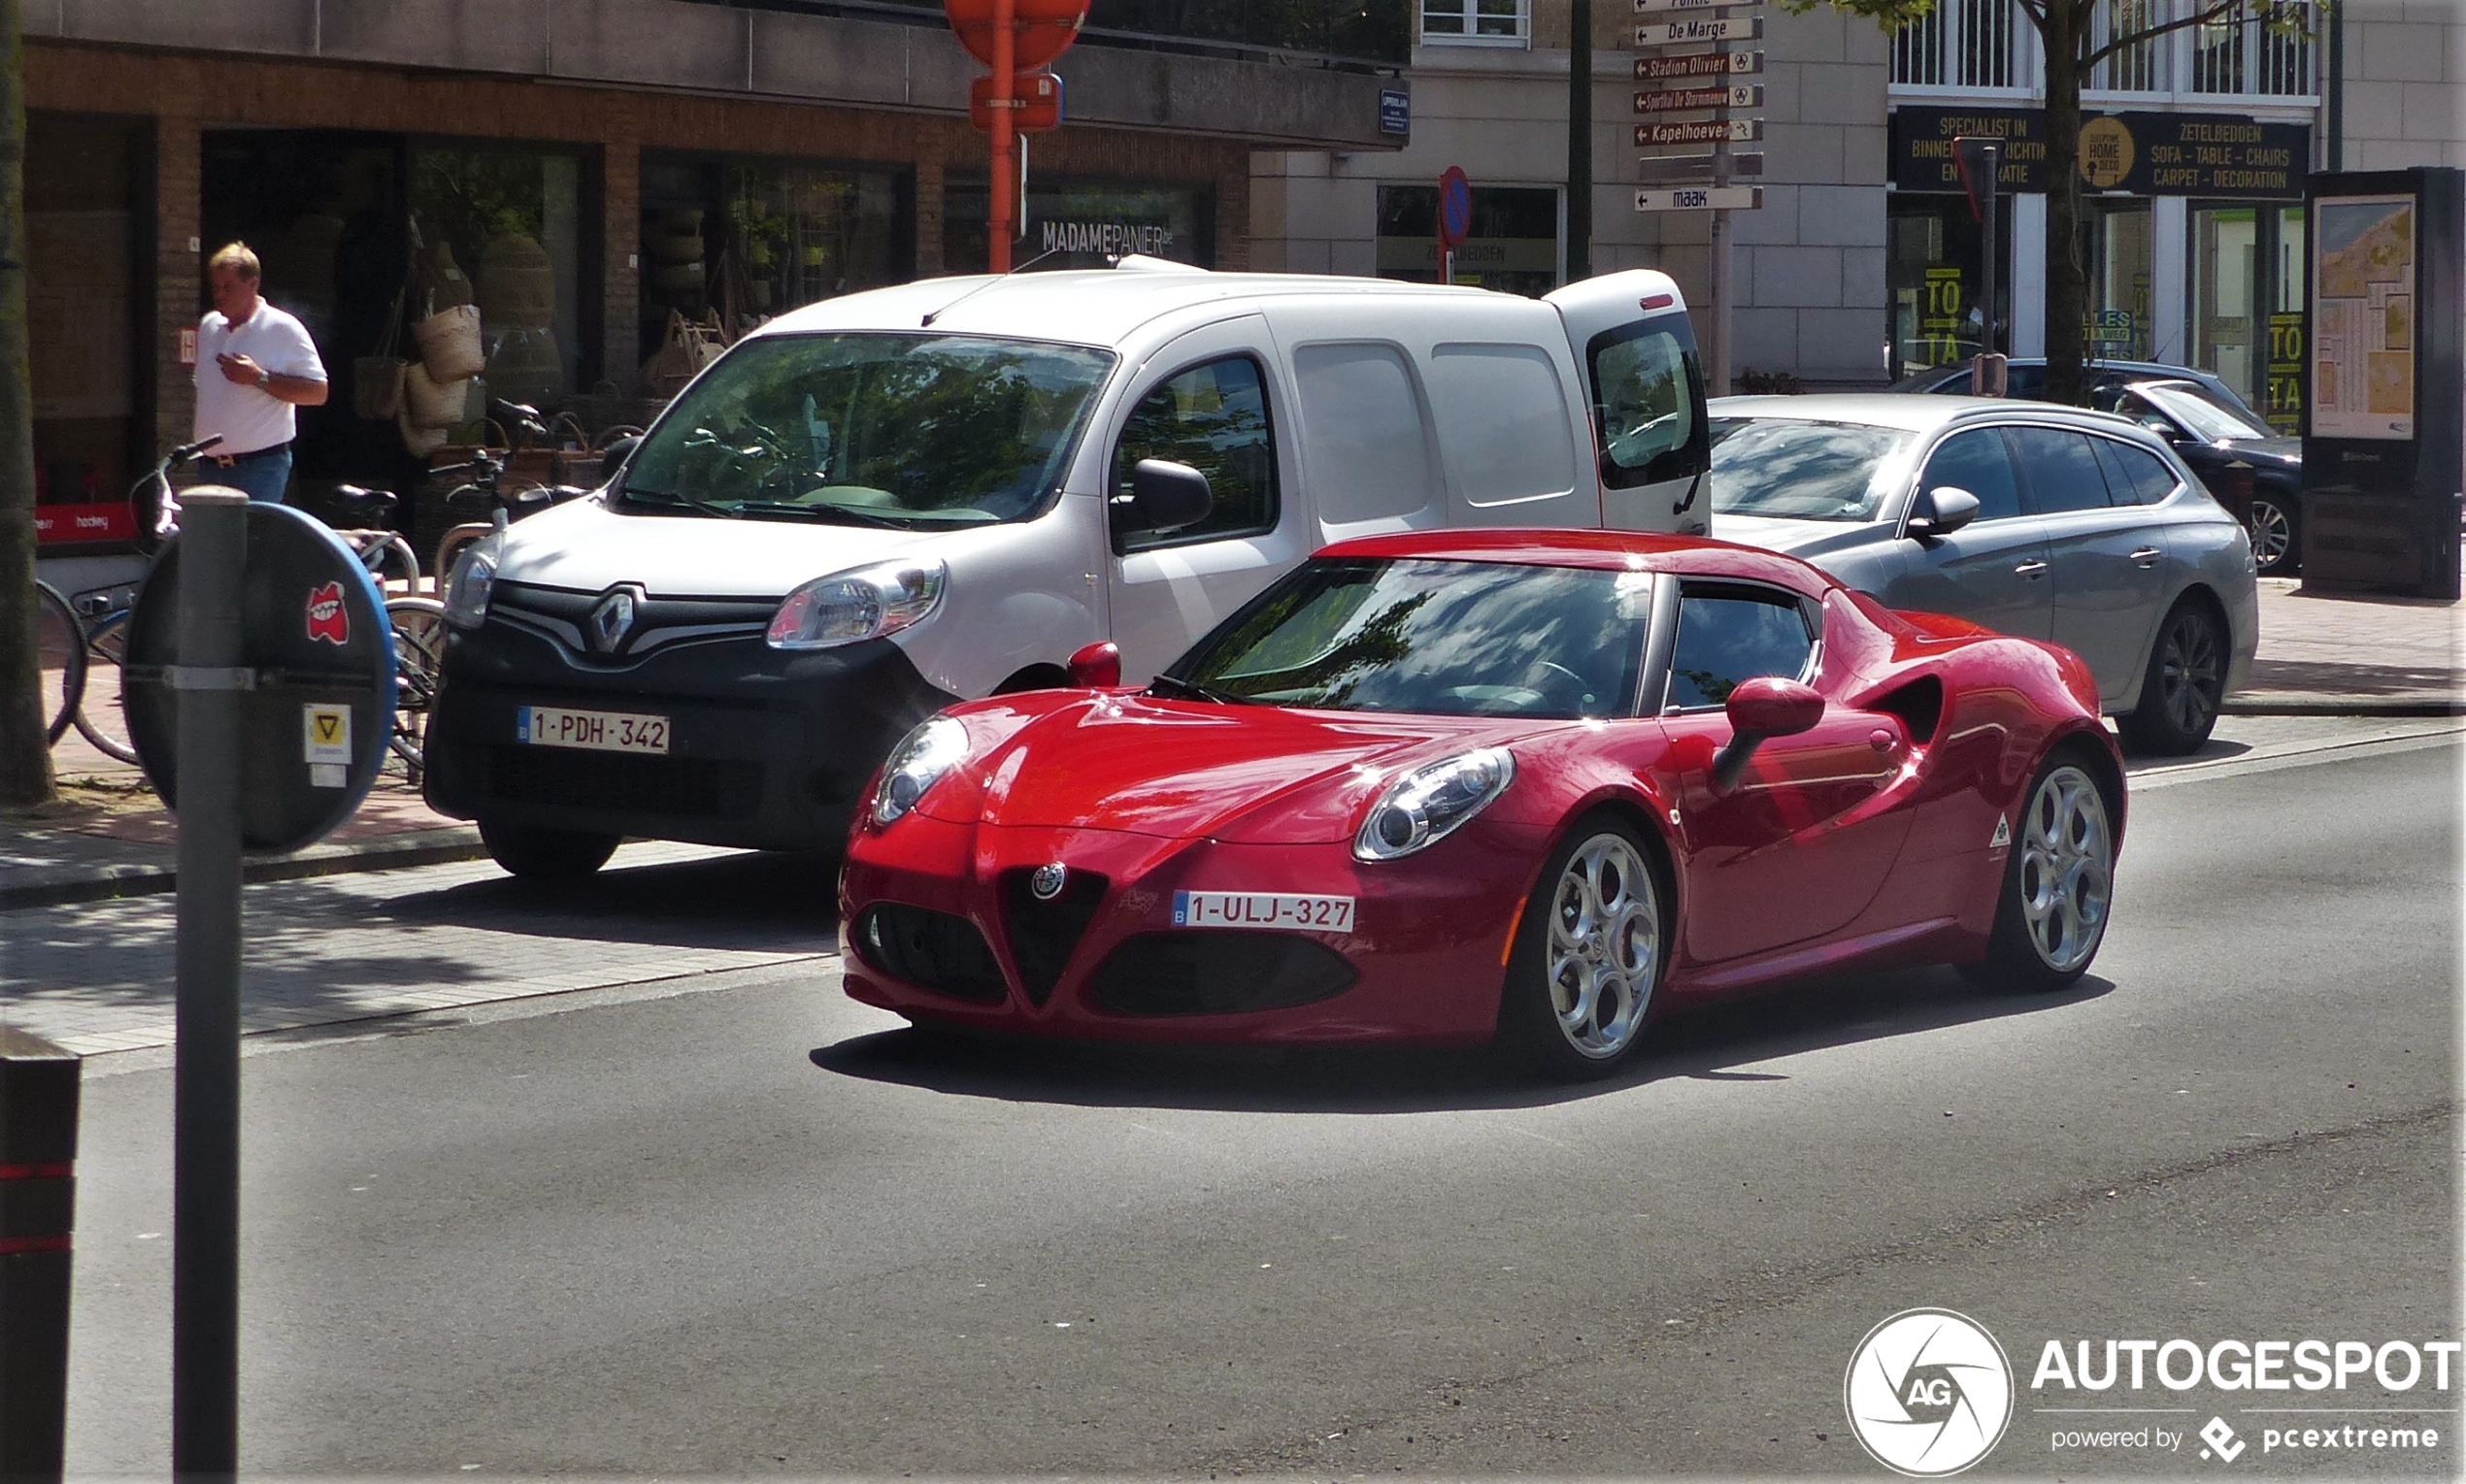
[2242,52]
[1512,245]
[2135,69]
[1214,418]
[1477,22]
[1931,271]
[1082,223]
[88,291]
[1958,43]
[505,228]
[748,239]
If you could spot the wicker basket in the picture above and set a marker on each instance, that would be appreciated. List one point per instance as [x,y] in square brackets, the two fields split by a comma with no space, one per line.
[428,403]
[449,344]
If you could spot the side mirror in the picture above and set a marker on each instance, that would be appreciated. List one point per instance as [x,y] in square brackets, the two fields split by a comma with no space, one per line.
[1766,706]
[1096,666]
[1941,510]
[1166,496]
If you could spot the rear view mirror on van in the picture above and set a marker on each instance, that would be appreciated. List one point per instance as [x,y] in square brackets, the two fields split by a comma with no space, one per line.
[1164,496]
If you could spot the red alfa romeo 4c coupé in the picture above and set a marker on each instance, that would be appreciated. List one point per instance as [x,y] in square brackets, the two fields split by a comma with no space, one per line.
[1527,784]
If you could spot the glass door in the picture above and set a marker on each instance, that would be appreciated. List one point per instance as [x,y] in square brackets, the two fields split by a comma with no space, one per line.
[2225,282]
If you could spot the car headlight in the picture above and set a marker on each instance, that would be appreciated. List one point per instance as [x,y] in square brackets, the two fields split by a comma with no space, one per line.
[921,759]
[473,578]
[847,607]
[1420,809]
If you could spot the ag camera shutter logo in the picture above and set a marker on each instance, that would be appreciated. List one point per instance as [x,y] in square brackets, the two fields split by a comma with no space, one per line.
[1928,1392]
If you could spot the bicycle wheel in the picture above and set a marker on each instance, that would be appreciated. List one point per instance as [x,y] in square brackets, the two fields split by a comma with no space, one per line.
[420,652]
[59,648]
[100,719]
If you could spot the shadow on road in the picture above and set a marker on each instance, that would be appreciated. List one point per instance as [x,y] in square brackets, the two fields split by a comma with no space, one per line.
[765,900]
[1700,1043]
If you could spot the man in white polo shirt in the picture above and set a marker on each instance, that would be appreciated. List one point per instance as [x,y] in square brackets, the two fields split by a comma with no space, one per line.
[254,364]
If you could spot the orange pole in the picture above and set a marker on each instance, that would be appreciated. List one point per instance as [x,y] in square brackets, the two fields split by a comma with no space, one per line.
[1005,162]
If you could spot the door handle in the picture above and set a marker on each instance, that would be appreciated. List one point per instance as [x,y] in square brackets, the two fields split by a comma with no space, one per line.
[2147,556]
[2033,571]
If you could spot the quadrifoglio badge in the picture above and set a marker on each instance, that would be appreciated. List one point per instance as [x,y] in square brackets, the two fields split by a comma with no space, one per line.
[1930,1392]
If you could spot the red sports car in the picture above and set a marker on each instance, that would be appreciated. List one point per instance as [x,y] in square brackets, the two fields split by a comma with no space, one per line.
[1533,785]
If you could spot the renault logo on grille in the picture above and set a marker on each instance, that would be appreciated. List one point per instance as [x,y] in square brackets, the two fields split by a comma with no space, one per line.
[1048,881]
[611,618]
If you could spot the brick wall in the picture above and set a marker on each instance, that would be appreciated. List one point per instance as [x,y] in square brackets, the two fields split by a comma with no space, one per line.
[187,95]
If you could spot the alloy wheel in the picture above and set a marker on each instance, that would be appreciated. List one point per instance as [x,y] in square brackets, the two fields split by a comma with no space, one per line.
[2191,672]
[2273,535]
[2067,869]
[1605,946]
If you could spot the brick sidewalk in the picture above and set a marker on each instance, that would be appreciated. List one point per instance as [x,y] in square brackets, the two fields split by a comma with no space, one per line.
[2351,655]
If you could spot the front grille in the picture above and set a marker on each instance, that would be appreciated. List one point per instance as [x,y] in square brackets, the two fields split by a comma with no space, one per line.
[563,614]
[1044,933]
[677,787]
[931,950]
[1217,972]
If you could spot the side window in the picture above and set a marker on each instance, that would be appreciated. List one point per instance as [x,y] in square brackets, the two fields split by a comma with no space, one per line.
[2135,475]
[2063,472]
[1726,636]
[1976,461]
[1214,418]
[1650,416]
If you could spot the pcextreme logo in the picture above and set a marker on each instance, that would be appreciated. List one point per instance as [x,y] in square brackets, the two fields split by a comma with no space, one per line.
[1928,1392]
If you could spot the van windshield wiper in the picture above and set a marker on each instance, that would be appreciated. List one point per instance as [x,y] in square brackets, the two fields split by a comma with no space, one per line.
[838,513]
[1195,691]
[661,497]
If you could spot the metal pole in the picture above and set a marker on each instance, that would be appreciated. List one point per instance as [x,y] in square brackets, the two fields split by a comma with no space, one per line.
[1989,218]
[1579,141]
[1716,361]
[1005,98]
[38,1198]
[205,1261]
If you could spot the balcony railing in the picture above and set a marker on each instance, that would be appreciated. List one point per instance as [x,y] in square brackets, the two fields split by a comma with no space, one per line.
[1985,45]
[1344,33]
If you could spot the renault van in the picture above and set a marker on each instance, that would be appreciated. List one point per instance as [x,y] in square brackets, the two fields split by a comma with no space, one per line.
[885,503]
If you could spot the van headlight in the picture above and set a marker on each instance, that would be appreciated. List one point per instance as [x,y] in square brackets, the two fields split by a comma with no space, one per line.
[1420,809]
[473,578]
[850,606]
[916,765]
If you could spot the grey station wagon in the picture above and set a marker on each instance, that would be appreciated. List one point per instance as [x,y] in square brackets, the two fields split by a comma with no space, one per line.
[2039,520]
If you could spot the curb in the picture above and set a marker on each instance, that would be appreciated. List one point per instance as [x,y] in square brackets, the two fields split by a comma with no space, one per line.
[68,884]
[2336,706]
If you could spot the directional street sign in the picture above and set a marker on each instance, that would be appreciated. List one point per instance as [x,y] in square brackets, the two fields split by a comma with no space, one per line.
[1734,131]
[1699,64]
[1650,6]
[1680,100]
[1679,33]
[1700,167]
[1701,198]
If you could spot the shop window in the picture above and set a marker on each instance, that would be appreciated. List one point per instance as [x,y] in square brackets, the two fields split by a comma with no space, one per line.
[1083,223]
[86,190]
[1932,257]
[1477,22]
[2117,250]
[1214,418]
[1511,245]
[505,228]
[740,241]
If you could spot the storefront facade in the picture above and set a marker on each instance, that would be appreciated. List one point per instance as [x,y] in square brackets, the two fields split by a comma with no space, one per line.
[587,197]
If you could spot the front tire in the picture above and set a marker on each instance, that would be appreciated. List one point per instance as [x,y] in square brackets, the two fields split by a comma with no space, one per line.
[2180,691]
[1590,953]
[2277,535]
[538,854]
[2058,884]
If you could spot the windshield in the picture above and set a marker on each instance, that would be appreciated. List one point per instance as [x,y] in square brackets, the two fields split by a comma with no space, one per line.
[2200,415]
[1433,639]
[903,430]
[1804,471]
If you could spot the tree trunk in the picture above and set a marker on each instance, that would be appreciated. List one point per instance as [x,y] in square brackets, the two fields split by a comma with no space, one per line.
[25,754]
[2067,278]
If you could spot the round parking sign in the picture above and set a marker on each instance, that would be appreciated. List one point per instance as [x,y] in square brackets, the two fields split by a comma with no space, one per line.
[317,684]
[1455,206]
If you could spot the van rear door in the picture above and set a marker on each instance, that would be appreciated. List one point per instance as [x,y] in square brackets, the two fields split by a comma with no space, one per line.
[1635,349]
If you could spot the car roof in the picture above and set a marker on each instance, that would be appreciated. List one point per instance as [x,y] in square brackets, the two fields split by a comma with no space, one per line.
[1090,306]
[1697,556]
[1915,414]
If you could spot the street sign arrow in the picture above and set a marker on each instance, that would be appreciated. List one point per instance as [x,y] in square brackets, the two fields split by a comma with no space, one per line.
[1679,100]
[1679,33]
[1699,64]
[1735,131]
[1701,198]
[1650,6]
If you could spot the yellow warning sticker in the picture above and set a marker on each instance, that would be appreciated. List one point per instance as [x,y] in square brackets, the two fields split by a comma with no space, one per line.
[328,732]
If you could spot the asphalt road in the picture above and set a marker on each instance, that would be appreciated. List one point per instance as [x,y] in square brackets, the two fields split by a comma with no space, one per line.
[739,1225]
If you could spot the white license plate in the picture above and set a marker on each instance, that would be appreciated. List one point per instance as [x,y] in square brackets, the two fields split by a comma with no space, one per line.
[551,726]
[1262,909]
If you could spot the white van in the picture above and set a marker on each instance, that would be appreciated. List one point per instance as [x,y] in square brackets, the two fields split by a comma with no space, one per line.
[888,501]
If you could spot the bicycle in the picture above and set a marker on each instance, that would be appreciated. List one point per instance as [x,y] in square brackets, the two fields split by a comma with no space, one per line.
[487,492]
[59,645]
